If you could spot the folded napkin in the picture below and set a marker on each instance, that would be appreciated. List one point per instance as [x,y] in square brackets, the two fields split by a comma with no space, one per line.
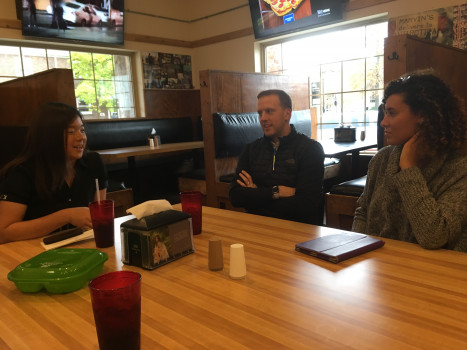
[85,235]
[149,208]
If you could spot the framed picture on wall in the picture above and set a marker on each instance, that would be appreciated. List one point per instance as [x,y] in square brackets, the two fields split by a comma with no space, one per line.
[167,71]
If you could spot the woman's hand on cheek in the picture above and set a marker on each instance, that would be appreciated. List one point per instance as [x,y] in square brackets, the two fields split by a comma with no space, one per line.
[409,153]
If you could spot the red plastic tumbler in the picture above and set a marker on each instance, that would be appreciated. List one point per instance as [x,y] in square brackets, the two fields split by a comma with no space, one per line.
[102,215]
[192,203]
[116,303]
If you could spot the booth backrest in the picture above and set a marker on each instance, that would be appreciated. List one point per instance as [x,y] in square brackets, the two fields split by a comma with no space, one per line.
[127,133]
[232,131]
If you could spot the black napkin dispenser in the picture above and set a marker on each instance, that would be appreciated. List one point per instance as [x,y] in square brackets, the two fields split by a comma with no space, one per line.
[157,239]
[345,134]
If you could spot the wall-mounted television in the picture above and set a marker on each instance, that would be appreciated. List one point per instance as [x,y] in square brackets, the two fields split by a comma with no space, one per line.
[99,21]
[277,17]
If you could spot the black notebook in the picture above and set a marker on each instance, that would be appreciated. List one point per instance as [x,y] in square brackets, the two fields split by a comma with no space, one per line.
[340,246]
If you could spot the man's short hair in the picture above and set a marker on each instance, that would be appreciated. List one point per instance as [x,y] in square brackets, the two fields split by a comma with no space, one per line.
[284,98]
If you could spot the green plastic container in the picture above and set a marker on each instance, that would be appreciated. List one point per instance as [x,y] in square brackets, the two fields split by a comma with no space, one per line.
[60,270]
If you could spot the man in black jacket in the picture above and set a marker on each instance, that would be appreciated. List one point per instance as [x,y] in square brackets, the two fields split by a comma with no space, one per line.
[280,174]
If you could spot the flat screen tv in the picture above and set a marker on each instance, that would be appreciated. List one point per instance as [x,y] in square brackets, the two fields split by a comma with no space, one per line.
[277,17]
[99,21]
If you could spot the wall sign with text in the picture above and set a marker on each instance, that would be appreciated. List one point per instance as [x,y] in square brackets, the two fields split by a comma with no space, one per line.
[445,25]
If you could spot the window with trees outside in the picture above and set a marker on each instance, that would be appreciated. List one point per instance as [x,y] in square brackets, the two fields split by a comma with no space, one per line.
[103,82]
[345,70]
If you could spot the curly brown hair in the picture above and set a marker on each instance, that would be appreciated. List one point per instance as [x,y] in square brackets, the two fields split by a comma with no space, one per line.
[443,128]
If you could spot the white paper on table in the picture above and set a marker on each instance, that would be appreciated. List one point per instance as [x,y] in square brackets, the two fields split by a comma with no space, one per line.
[149,207]
[83,236]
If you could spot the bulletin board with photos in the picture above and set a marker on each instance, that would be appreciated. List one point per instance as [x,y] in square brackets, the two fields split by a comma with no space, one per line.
[167,71]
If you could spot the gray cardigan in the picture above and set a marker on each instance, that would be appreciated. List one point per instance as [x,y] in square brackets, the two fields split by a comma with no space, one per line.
[426,205]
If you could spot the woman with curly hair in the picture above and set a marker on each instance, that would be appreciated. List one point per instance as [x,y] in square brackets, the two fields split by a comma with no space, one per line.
[416,188]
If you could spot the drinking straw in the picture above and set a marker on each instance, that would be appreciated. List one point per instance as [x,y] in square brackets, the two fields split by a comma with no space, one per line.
[97,192]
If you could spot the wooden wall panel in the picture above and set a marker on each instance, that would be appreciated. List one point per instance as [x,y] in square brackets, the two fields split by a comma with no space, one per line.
[161,103]
[406,53]
[233,92]
[19,98]
[449,63]
[412,53]
[226,92]
[252,84]
[172,103]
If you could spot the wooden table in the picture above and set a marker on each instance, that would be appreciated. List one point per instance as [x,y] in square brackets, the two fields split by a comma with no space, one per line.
[397,297]
[130,153]
[338,149]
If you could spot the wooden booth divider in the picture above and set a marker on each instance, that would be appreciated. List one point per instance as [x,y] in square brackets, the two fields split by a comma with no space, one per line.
[21,97]
[406,53]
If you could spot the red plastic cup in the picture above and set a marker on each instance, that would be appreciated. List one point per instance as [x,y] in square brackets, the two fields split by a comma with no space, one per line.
[116,304]
[192,203]
[102,216]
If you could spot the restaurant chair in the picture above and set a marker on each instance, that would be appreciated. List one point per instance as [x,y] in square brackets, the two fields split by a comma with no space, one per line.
[123,200]
[341,202]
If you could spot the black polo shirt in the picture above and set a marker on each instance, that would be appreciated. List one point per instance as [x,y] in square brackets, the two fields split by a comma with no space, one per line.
[19,187]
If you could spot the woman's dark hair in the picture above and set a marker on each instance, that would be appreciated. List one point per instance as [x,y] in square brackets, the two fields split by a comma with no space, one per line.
[443,127]
[284,98]
[45,146]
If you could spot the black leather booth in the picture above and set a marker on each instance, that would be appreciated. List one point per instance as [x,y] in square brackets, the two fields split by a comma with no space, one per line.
[350,188]
[233,131]
[156,176]
[105,134]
